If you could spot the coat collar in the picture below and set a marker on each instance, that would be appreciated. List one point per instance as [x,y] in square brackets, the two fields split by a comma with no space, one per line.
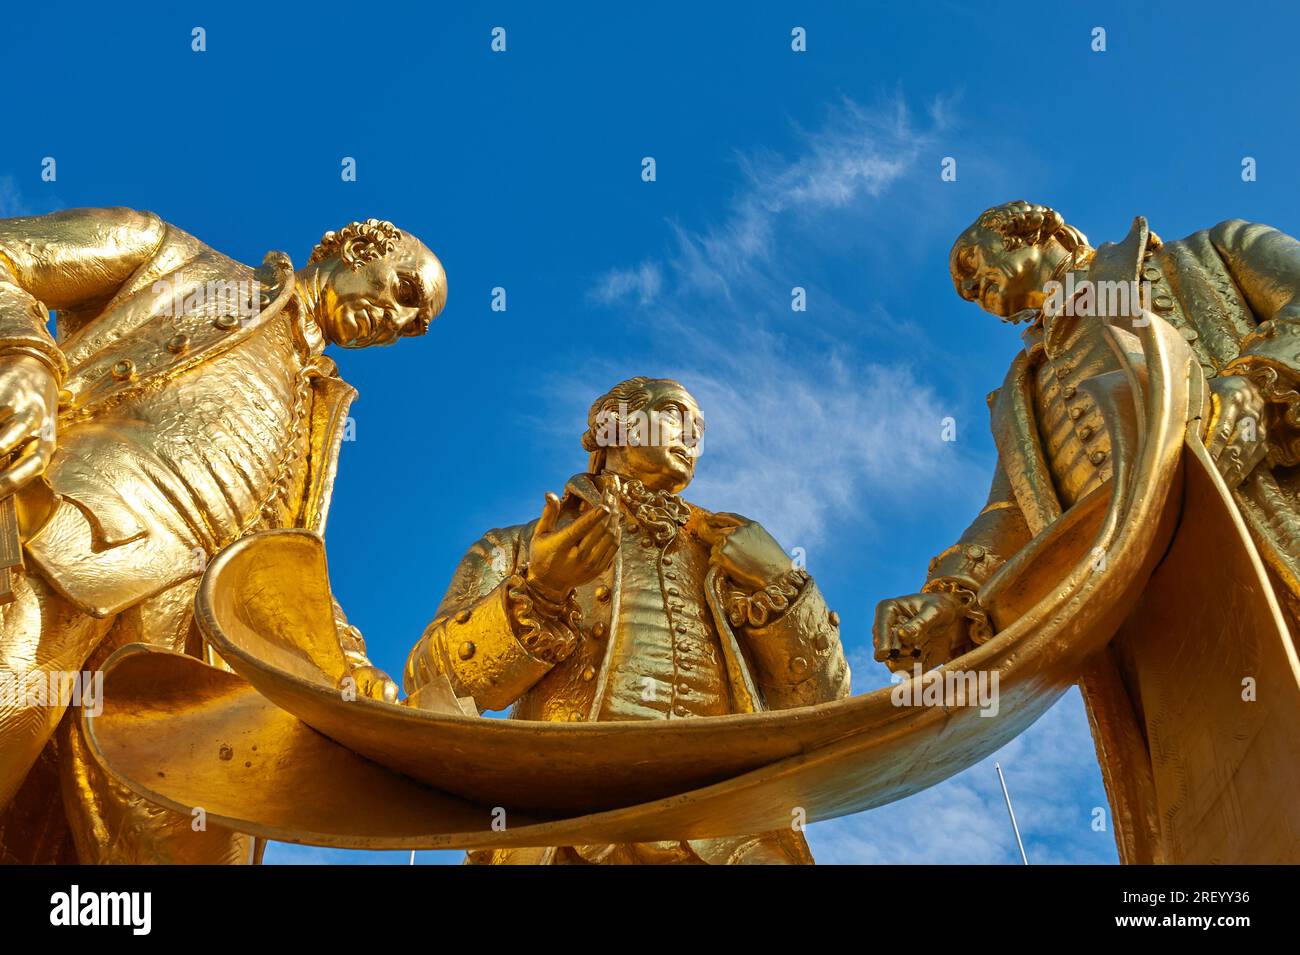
[1112,262]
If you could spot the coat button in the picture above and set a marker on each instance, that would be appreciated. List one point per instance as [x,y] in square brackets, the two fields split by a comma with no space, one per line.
[821,642]
[589,673]
[1076,414]
[598,629]
[1062,371]
[123,370]
[1163,303]
[466,650]
[1085,432]
[463,616]
[602,593]
[178,343]
[1096,457]
[833,619]
[681,628]
[1068,391]
[975,552]
[798,666]
[1152,273]
[226,322]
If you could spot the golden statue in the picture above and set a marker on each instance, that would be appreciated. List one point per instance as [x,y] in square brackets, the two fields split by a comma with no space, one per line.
[1177,760]
[678,689]
[185,404]
[624,602]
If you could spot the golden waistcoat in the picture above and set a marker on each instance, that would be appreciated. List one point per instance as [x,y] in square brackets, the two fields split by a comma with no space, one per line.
[669,663]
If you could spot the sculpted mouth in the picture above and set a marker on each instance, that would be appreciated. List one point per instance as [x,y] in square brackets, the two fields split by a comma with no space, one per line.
[363,324]
[684,455]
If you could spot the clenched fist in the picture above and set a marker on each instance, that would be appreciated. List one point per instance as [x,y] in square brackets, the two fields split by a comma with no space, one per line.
[924,628]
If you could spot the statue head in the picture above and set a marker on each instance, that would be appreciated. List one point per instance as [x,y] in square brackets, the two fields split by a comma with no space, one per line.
[374,284]
[646,429]
[1011,251]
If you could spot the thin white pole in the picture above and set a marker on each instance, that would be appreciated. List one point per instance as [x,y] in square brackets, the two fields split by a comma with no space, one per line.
[412,862]
[1012,813]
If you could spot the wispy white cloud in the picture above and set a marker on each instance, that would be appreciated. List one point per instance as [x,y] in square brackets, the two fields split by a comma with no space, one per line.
[11,201]
[803,426]
[642,284]
[853,158]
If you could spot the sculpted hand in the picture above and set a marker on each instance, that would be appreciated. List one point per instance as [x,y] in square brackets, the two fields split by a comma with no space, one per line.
[1236,439]
[919,627]
[29,404]
[567,557]
[367,679]
[747,553]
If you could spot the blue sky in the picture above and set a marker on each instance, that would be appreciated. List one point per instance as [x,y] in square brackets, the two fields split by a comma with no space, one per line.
[775,169]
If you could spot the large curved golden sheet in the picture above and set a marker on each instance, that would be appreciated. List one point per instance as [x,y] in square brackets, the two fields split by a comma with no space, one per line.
[188,735]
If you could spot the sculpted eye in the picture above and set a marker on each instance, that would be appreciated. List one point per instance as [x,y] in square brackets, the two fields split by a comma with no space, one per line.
[408,292]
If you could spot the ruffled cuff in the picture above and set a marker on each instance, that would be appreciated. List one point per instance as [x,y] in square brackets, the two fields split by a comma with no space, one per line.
[1278,384]
[547,630]
[978,628]
[758,608]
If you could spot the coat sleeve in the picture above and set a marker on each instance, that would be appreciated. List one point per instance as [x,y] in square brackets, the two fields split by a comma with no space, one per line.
[797,657]
[491,637]
[62,261]
[998,531]
[1265,265]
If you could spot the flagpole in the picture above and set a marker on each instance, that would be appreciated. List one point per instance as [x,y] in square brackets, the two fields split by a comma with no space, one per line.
[1012,813]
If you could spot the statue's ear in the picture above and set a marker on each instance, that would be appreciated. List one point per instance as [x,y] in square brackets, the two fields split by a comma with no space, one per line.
[349,252]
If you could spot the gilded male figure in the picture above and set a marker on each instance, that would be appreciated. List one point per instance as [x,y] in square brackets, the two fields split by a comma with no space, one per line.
[1233,291]
[185,403]
[623,601]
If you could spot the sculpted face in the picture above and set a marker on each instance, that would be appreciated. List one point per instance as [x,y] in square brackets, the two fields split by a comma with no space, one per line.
[396,295]
[1002,282]
[664,459]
